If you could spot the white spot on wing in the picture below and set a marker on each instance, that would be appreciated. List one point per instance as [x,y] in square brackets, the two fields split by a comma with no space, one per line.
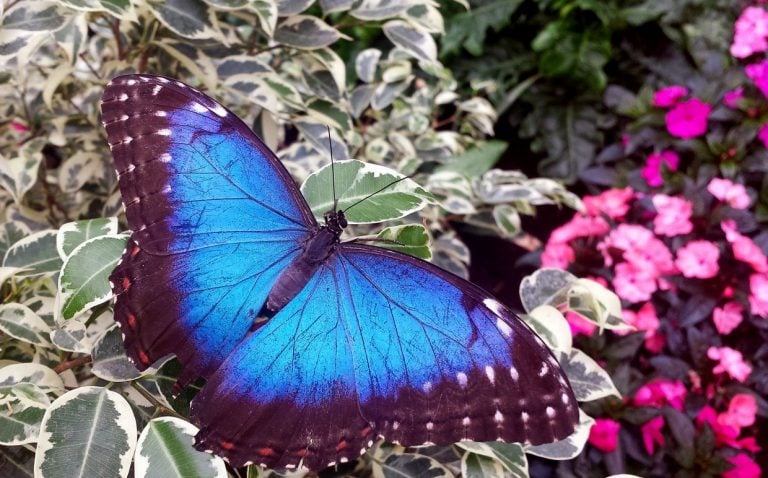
[164,132]
[513,373]
[466,421]
[503,327]
[165,158]
[130,82]
[564,398]
[161,114]
[490,373]
[498,417]
[495,306]
[156,89]
[430,426]
[122,97]
[395,426]
[198,108]
[219,110]
[462,378]
[131,168]
[550,412]
[544,370]
[524,416]
[427,387]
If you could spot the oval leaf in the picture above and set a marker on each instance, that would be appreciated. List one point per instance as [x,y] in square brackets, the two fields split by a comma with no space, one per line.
[551,326]
[365,64]
[588,380]
[20,322]
[303,31]
[35,254]
[22,407]
[417,43]
[109,359]
[86,432]
[84,278]
[40,375]
[72,234]
[568,448]
[394,196]
[411,239]
[186,18]
[165,450]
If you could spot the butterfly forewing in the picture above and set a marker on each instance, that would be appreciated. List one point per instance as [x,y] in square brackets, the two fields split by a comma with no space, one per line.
[212,222]
[376,343]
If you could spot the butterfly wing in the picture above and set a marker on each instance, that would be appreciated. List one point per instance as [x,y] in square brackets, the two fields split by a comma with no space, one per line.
[380,343]
[215,218]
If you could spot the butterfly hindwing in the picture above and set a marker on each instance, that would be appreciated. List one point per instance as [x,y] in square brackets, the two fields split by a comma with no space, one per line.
[380,343]
[215,219]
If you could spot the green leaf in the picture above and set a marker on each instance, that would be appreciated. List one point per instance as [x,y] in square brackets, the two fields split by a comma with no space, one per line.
[570,447]
[366,63]
[11,232]
[551,326]
[411,239]
[329,113]
[165,450]
[545,287]
[409,465]
[79,169]
[119,8]
[317,135]
[187,18]
[72,234]
[77,430]
[303,31]
[417,43]
[109,359]
[468,29]
[355,181]
[381,9]
[84,280]
[588,380]
[479,466]
[43,377]
[34,17]
[476,160]
[18,175]
[36,254]
[20,322]
[597,304]
[512,456]
[266,10]
[507,219]
[22,407]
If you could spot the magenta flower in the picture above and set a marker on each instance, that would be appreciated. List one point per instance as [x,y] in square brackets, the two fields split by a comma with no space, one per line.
[646,320]
[674,215]
[762,134]
[633,284]
[661,392]
[698,259]
[730,362]
[743,467]
[652,170]
[669,96]
[613,203]
[604,434]
[688,119]
[652,436]
[758,294]
[558,255]
[758,73]
[580,226]
[731,193]
[728,317]
[744,248]
[741,411]
[733,97]
[750,32]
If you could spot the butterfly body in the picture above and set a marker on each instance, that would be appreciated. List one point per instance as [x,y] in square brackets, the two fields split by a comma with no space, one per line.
[360,342]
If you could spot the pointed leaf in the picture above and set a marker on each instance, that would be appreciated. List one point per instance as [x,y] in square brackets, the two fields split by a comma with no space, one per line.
[588,380]
[303,31]
[22,407]
[72,234]
[411,239]
[36,254]
[417,43]
[165,450]
[84,278]
[20,322]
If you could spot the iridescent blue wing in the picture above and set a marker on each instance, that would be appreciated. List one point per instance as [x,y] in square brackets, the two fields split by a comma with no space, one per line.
[379,343]
[215,218]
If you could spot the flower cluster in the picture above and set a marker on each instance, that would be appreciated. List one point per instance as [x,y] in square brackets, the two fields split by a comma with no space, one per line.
[685,119]
[657,251]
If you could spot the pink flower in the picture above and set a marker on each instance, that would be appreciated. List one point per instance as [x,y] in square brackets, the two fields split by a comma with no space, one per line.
[626,237]
[652,170]
[744,248]
[580,226]
[579,325]
[733,97]
[743,467]
[758,73]
[758,294]
[19,127]
[698,259]
[730,362]
[724,434]
[669,96]
[557,255]
[632,283]
[645,319]
[604,434]
[688,119]
[674,215]
[762,134]
[734,194]
[613,203]
[652,436]
[750,32]
[653,257]
[661,392]
[728,317]
[741,411]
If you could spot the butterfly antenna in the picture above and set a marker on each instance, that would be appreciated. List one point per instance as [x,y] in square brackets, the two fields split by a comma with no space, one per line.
[378,191]
[333,173]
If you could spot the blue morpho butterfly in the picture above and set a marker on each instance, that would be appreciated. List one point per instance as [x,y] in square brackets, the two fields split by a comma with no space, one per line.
[362,342]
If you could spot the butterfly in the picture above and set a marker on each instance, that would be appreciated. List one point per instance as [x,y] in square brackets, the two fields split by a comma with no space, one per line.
[361,342]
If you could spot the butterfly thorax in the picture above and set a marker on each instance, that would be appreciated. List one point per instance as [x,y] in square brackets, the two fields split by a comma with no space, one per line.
[317,248]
